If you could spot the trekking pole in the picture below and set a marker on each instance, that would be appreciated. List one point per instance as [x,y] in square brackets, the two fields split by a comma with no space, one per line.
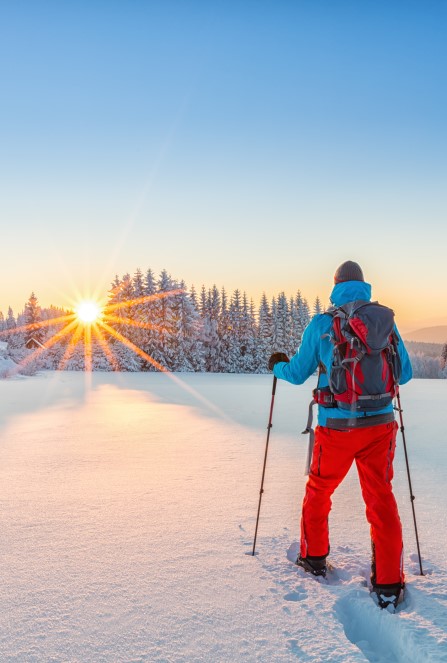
[275,379]
[412,497]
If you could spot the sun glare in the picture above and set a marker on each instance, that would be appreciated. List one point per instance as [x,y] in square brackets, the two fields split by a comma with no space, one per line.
[88,311]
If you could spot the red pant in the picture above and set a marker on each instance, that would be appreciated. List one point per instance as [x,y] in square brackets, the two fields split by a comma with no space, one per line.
[372,448]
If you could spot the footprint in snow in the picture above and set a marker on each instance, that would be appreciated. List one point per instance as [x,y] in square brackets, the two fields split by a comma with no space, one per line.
[297,595]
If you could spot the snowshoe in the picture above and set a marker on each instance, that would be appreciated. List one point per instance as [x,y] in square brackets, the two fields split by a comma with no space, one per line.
[388,595]
[315,565]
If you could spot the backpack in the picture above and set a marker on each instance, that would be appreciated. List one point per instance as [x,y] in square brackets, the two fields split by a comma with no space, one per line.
[365,365]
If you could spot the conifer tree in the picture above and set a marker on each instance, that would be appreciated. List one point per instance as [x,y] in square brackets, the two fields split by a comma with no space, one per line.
[265,335]
[186,348]
[193,297]
[14,338]
[444,356]
[32,319]
[318,308]
[303,313]
[235,323]
[281,325]
[248,337]
[163,351]
[210,340]
[122,295]
[147,313]
[137,310]
[10,323]
[224,333]
[295,326]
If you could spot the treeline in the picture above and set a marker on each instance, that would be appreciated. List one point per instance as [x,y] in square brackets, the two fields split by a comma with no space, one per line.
[152,323]
[178,328]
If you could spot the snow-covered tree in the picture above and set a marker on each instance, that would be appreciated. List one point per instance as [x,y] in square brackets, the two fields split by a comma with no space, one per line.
[33,319]
[248,336]
[281,325]
[162,313]
[303,314]
[318,307]
[186,345]
[147,318]
[264,335]
[210,311]
[444,356]
[235,323]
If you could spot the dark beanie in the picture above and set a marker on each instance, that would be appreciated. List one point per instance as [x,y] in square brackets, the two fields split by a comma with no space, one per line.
[348,271]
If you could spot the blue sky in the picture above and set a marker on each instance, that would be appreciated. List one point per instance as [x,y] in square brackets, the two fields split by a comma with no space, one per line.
[249,144]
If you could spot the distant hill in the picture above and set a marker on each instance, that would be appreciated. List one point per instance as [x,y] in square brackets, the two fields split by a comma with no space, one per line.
[428,335]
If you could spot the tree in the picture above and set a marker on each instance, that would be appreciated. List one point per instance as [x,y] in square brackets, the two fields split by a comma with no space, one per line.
[33,319]
[210,311]
[186,345]
[303,313]
[248,336]
[224,332]
[234,336]
[147,318]
[281,325]
[10,323]
[164,346]
[318,308]
[137,333]
[444,356]
[264,335]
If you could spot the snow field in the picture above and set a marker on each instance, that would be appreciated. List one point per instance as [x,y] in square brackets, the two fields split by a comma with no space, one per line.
[128,507]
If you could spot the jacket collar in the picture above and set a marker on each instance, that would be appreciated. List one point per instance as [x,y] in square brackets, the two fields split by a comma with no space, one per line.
[350,291]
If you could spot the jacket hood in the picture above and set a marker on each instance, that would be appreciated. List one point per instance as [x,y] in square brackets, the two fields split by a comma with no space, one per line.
[350,291]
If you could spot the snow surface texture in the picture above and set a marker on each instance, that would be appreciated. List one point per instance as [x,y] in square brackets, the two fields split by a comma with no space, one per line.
[128,506]
[6,363]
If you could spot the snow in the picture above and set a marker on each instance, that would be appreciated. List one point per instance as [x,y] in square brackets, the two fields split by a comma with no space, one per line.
[128,506]
[6,363]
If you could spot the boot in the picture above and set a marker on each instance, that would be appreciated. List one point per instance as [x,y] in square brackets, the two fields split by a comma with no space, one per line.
[314,565]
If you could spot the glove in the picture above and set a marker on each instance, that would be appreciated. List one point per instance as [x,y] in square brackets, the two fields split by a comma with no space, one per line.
[277,357]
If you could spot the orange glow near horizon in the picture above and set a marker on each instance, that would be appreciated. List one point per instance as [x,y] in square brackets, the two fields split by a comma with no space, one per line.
[88,322]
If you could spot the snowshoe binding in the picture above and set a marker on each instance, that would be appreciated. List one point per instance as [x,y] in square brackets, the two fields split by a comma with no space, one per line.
[315,565]
[388,595]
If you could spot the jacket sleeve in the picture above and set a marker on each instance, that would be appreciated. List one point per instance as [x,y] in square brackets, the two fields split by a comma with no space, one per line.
[305,362]
[407,370]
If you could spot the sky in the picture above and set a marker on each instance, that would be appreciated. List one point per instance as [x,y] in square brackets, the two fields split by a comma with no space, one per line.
[251,144]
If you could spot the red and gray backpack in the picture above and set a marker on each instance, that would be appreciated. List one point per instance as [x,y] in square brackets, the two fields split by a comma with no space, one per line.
[365,367]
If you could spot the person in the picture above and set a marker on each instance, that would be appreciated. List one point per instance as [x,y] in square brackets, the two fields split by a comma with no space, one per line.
[342,437]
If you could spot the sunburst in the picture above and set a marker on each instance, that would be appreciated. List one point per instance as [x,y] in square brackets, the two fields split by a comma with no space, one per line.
[91,319]
[88,311]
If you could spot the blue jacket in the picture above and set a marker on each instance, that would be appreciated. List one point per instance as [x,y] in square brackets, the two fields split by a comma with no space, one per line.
[316,347]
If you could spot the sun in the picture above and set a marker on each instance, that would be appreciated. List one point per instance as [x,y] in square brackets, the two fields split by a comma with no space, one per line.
[88,311]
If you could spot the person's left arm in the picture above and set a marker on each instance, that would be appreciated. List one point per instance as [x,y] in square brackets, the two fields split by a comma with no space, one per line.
[407,369]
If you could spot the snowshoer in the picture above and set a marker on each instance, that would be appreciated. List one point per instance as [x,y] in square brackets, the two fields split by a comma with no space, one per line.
[350,431]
